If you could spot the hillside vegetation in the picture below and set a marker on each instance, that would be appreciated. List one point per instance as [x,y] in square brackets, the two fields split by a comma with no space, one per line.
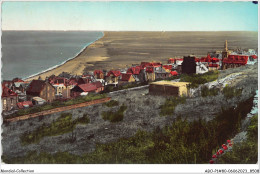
[62,125]
[247,151]
[181,143]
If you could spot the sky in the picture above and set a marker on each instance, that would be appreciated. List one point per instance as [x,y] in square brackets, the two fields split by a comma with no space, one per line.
[130,16]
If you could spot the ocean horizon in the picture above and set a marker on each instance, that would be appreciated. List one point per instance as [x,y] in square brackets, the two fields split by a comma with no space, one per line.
[28,53]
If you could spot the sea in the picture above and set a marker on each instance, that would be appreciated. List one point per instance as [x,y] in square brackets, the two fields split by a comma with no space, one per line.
[27,53]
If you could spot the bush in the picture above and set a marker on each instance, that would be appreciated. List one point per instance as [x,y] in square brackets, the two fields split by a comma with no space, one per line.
[57,104]
[21,112]
[245,152]
[111,103]
[62,125]
[252,130]
[115,116]
[35,109]
[168,107]
[230,92]
[46,107]
[83,120]
[198,79]
[205,91]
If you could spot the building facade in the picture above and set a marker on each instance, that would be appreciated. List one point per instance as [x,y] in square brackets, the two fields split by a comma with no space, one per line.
[189,65]
[167,88]
[9,99]
[42,89]
[112,77]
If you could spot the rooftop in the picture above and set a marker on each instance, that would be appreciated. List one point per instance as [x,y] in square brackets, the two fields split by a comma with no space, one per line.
[169,83]
[38,99]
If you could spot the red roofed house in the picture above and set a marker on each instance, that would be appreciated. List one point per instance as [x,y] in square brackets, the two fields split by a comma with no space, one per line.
[150,74]
[137,72]
[42,89]
[83,81]
[17,80]
[9,99]
[144,64]
[7,83]
[112,77]
[52,78]
[171,60]
[167,68]
[99,74]
[87,88]
[155,64]
[233,61]
[127,78]
[254,56]
[72,82]
[213,67]
[99,86]
[134,70]
[252,59]
[174,73]
[151,69]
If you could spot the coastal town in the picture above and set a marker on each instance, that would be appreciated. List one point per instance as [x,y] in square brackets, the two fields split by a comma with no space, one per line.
[20,94]
[179,86]
[151,84]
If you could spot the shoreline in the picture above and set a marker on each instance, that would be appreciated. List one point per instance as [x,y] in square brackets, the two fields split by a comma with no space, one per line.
[121,49]
[84,49]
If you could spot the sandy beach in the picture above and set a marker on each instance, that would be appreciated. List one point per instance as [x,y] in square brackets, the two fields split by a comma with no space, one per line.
[93,53]
[121,49]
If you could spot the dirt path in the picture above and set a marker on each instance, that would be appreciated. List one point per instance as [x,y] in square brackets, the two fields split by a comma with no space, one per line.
[60,109]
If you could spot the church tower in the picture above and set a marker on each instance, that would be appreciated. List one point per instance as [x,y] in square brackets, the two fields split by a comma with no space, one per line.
[225,51]
[224,55]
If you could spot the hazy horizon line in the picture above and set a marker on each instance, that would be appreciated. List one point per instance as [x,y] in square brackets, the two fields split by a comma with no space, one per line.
[147,30]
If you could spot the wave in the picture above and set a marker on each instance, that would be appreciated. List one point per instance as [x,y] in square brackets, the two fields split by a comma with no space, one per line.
[73,57]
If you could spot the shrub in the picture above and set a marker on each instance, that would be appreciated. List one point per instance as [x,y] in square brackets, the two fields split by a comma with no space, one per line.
[62,125]
[35,109]
[57,104]
[230,92]
[170,103]
[252,130]
[245,152]
[198,79]
[22,112]
[83,120]
[47,107]
[205,91]
[111,103]
[115,116]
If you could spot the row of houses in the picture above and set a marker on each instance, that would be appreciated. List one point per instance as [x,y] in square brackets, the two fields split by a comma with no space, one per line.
[40,91]
[21,94]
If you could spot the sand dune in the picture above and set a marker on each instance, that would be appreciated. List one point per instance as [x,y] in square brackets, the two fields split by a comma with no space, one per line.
[119,49]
